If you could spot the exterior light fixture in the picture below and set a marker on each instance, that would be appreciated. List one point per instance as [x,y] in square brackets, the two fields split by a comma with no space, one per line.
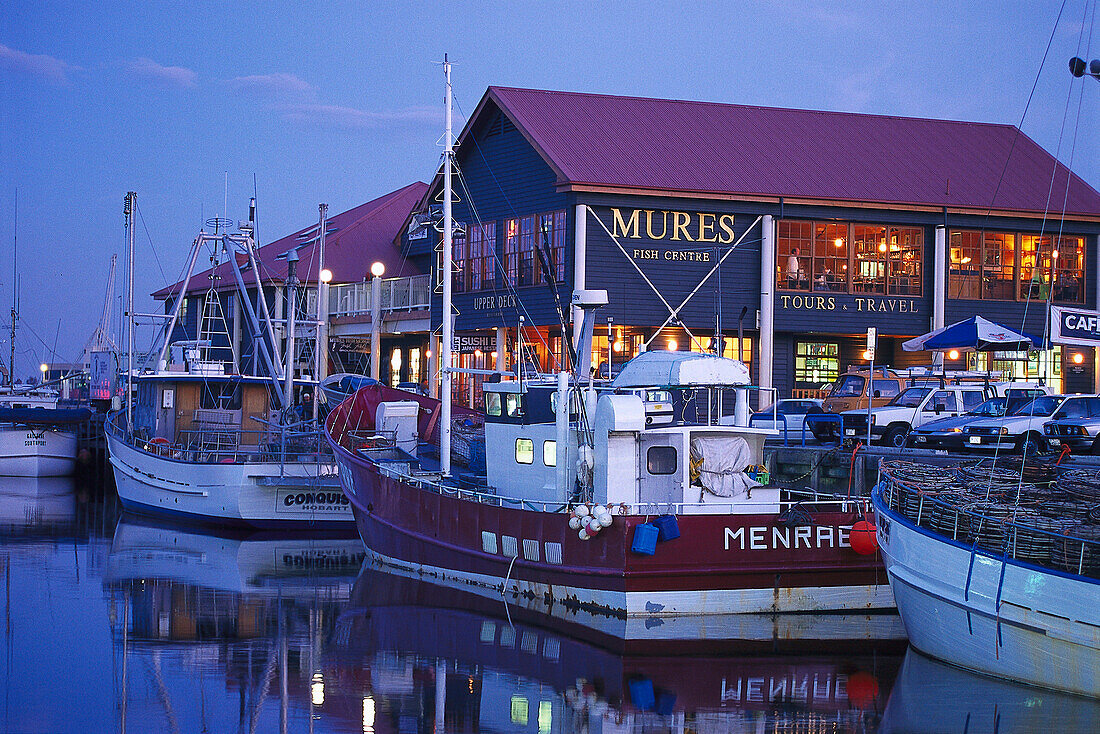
[1078,358]
[326,275]
[867,354]
[672,345]
[377,269]
[953,354]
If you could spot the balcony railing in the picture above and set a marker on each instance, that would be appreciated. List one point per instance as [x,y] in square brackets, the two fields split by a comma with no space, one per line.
[411,293]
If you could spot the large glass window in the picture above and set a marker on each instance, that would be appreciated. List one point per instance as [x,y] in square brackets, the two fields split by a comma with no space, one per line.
[527,268]
[816,363]
[1007,266]
[850,258]
[795,248]
[551,238]
[511,251]
[482,256]
[459,263]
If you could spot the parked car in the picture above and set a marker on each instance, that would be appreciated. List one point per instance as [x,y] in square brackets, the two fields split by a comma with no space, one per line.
[1022,431]
[891,423]
[946,433]
[794,412]
[1079,428]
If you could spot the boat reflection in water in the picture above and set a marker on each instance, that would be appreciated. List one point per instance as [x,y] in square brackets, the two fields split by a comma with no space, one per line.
[420,654]
[35,504]
[253,608]
[930,696]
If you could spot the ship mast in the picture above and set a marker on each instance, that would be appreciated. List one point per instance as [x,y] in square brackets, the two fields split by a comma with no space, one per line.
[128,209]
[448,227]
[14,292]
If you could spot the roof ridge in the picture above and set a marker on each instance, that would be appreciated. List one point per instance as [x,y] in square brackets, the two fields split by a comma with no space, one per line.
[707,103]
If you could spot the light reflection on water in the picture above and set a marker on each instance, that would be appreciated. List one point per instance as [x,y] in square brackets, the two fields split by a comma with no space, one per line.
[131,625]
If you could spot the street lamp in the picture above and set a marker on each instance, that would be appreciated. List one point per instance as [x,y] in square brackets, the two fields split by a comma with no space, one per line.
[377,269]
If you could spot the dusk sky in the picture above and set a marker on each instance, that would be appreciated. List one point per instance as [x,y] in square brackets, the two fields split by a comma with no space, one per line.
[341,102]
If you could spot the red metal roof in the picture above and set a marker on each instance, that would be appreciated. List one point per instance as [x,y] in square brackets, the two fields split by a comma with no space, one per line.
[705,147]
[357,238]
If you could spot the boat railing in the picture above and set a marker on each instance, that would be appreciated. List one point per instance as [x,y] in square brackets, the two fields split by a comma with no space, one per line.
[1018,532]
[234,445]
[405,468]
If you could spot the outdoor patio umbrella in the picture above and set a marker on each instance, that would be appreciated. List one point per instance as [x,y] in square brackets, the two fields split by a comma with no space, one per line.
[975,334]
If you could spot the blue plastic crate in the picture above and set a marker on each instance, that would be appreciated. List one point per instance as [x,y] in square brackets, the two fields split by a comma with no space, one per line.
[645,539]
[667,527]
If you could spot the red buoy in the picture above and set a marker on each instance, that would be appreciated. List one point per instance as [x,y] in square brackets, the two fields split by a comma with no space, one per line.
[862,538]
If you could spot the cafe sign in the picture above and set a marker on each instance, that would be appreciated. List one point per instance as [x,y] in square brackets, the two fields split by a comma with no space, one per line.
[1075,326]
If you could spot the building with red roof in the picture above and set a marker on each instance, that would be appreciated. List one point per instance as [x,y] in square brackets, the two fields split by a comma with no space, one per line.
[802,228]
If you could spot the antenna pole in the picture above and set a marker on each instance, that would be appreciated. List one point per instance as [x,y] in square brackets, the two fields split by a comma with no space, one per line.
[14,292]
[128,209]
[448,226]
[320,348]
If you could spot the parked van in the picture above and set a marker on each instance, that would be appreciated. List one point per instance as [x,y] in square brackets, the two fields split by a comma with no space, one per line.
[851,389]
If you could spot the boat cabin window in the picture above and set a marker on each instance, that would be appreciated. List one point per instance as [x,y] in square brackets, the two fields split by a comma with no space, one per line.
[221,395]
[661,460]
[549,453]
[492,404]
[525,451]
[513,405]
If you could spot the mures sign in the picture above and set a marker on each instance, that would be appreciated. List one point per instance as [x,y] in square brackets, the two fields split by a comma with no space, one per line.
[674,226]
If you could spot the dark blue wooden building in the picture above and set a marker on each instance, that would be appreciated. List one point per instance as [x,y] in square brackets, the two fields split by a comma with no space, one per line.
[805,228]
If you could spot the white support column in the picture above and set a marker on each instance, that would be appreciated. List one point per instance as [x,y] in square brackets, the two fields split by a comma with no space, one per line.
[580,253]
[939,286]
[433,365]
[376,326]
[502,349]
[766,346]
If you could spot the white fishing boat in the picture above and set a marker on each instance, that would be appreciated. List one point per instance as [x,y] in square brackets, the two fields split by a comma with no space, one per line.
[994,573]
[37,438]
[204,443]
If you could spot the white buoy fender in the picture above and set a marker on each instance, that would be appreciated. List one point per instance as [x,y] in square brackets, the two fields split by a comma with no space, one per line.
[575,522]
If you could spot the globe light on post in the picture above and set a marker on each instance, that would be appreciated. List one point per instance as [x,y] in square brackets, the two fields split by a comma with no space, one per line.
[43,367]
[326,276]
[378,269]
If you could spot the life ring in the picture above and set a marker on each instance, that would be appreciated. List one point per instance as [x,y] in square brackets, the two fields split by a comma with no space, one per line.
[158,445]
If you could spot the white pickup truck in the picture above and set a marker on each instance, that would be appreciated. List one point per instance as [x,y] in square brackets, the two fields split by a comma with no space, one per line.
[913,407]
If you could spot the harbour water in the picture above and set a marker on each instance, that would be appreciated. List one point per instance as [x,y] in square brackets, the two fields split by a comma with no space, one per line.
[116,623]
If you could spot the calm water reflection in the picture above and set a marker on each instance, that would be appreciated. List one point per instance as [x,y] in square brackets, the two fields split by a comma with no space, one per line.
[126,625]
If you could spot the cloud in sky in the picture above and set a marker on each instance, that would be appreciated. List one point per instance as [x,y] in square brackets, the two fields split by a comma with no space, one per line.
[176,77]
[275,85]
[36,65]
[350,117]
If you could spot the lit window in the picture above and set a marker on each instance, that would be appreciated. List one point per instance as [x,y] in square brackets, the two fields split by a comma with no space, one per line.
[519,710]
[546,717]
[492,404]
[525,451]
[550,453]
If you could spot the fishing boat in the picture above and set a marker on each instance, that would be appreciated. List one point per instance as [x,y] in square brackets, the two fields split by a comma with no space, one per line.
[997,568]
[37,438]
[642,496]
[203,442]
